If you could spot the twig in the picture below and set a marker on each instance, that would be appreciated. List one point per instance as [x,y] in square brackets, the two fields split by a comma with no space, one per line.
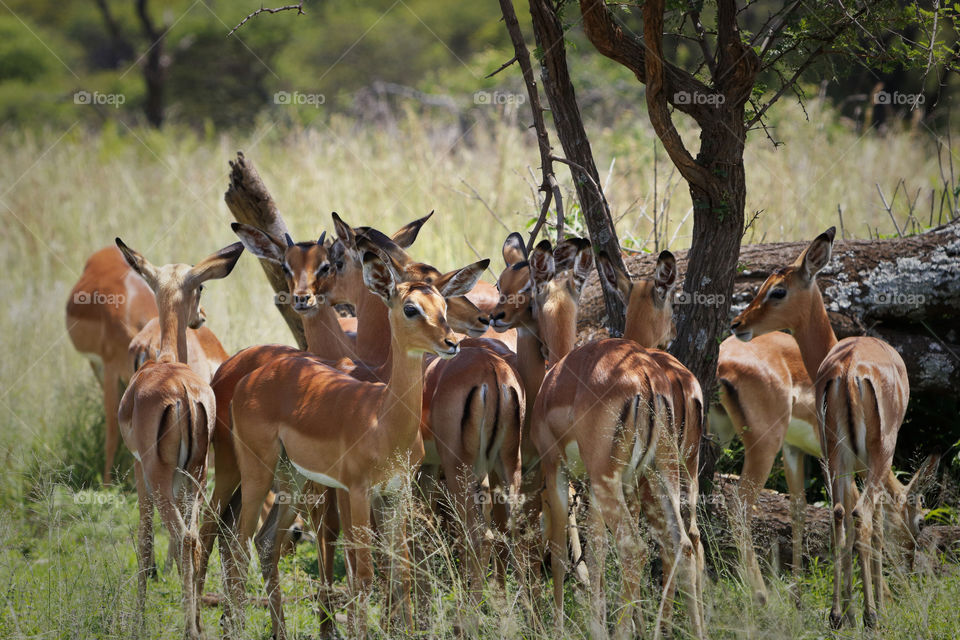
[263,9]
[502,67]
[843,233]
[888,207]
[477,196]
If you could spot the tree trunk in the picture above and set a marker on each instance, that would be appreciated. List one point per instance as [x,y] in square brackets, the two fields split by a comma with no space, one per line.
[250,203]
[548,31]
[718,218]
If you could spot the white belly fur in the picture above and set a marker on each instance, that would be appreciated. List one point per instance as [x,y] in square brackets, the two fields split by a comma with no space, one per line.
[319,478]
[803,435]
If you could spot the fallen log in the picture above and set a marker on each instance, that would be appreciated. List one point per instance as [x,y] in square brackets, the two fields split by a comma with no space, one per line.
[773,531]
[250,203]
[903,290]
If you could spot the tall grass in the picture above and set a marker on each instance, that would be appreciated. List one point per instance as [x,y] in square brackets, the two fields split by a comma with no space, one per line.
[67,566]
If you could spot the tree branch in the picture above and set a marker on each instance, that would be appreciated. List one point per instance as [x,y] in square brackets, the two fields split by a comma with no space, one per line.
[262,9]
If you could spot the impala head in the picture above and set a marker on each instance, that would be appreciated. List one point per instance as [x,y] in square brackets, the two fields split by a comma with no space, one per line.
[558,277]
[515,306]
[306,265]
[347,258]
[910,501]
[464,317]
[178,286]
[786,297]
[418,310]
[649,303]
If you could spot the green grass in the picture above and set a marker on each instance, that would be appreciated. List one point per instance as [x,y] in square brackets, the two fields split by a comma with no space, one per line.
[67,561]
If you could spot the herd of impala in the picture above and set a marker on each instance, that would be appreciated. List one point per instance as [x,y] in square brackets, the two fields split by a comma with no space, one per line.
[485,390]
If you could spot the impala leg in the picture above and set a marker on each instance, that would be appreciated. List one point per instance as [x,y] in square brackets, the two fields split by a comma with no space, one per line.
[758,461]
[145,563]
[360,539]
[325,520]
[864,516]
[842,551]
[173,520]
[879,585]
[681,549]
[500,518]
[111,407]
[596,559]
[555,518]
[466,494]
[255,484]
[608,496]
[268,542]
[226,480]
[793,468]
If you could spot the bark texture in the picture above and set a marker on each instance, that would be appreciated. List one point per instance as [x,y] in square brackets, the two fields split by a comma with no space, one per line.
[250,203]
[576,146]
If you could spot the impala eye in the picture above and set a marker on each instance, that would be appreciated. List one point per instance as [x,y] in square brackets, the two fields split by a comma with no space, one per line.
[200,289]
[410,311]
[339,265]
[777,294]
[324,268]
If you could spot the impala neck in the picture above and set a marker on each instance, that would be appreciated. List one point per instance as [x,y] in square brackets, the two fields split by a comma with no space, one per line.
[401,407]
[324,336]
[530,364]
[373,329]
[814,335]
[173,336]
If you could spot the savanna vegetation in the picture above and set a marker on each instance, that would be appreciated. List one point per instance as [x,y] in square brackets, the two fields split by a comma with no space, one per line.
[397,118]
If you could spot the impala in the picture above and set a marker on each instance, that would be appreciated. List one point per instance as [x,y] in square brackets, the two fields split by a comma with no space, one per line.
[649,322]
[112,321]
[166,417]
[546,331]
[606,411]
[344,433]
[861,393]
[305,265]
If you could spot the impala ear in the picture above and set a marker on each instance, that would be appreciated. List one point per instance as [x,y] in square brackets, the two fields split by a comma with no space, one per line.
[259,243]
[407,234]
[514,251]
[337,253]
[379,277]
[922,475]
[817,255]
[139,264]
[216,266]
[613,278]
[664,277]
[566,251]
[344,232]
[374,240]
[582,265]
[542,265]
[461,281]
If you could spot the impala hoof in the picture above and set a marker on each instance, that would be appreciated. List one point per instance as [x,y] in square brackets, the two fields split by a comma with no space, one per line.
[836,620]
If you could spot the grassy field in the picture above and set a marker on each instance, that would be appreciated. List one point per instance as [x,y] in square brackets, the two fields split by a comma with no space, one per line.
[67,558]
